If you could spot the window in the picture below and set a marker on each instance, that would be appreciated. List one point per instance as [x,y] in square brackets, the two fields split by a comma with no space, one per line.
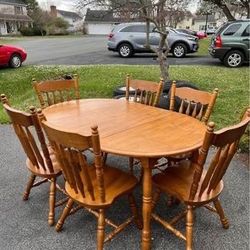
[232,29]
[246,32]
[127,29]
[18,10]
[135,28]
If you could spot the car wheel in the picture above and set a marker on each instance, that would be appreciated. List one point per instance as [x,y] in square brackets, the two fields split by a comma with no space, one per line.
[125,50]
[234,59]
[15,61]
[179,50]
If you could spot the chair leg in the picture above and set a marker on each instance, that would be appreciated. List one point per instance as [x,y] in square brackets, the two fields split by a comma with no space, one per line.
[131,164]
[134,211]
[189,227]
[156,197]
[64,215]
[52,199]
[104,158]
[223,218]
[28,187]
[100,230]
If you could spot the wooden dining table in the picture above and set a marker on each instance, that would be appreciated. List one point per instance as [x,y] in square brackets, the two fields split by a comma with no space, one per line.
[134,130]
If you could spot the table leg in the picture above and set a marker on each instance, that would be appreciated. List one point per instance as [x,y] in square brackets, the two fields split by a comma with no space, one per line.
[146,203]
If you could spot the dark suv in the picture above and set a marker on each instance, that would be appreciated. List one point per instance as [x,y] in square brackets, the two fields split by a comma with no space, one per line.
[230,43]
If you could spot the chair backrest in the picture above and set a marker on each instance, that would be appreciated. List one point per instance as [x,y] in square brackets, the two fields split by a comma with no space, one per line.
[69,148]
[225,142]
[24,124]
[195,103]
[54,91]
[146,92]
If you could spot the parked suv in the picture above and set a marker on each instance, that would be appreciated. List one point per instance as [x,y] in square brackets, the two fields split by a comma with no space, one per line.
[130,38]
[230,43]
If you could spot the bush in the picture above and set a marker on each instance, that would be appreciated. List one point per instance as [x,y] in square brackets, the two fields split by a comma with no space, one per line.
[57,26]
[31,31]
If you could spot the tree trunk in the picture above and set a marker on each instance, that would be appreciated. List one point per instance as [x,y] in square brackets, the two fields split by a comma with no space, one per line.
[162,57]
[225,10]
[246,5]
[147,34]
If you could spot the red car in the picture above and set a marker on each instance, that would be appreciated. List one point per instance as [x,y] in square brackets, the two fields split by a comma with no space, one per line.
[12,56]
[201,34]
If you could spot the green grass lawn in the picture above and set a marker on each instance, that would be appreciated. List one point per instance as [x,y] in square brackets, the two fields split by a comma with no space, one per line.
[100,81]
[203,46]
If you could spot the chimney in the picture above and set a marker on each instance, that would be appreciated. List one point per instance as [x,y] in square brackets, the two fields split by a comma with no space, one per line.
[53,11]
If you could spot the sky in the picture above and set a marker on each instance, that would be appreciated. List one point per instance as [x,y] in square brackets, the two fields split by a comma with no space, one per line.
[60,4]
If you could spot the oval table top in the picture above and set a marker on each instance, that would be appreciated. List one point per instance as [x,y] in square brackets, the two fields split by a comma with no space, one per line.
[128,128]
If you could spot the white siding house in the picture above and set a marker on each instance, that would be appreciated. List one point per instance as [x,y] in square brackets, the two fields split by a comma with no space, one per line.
[75,21]
[100,22]
[200,23]
[13,15]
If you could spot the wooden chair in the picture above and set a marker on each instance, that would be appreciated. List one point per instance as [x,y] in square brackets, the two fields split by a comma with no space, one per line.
[93,187]
[196,103]
[54,91]
[146,92]
[196,186]
[40,163]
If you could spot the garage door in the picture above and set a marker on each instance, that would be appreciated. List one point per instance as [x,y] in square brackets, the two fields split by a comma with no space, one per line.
[99,29]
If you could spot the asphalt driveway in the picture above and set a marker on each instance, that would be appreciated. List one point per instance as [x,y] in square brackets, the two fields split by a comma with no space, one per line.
[24,224]
[92,50]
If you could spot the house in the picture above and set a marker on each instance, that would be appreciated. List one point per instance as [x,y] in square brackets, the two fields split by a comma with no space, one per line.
[100,22]
[13,15]
[75,21]
[199,22]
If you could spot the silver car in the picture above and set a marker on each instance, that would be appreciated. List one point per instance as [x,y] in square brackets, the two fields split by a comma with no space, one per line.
[130,38]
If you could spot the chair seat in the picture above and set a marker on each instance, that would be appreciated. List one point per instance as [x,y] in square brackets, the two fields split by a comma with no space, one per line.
[116,181]
[177,181]
[45,173]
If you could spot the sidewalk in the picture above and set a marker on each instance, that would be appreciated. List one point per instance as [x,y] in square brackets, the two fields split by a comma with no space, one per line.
[23,225]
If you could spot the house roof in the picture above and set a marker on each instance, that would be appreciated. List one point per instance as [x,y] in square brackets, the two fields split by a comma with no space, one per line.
[69,14]
[12,2]
[100,16]
[9,17]
[107,16]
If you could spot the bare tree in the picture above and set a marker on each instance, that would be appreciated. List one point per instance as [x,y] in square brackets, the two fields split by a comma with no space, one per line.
[229,6]
[155,12]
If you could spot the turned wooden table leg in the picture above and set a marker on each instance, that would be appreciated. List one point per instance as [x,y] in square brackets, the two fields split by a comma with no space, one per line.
[147,203]
[52,201]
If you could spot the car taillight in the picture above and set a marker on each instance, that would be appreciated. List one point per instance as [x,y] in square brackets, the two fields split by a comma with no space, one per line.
[218,42]
[110,35]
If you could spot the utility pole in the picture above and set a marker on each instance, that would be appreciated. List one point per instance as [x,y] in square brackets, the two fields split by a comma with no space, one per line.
[206,23]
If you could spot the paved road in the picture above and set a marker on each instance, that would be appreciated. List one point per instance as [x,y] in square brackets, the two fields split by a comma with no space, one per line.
[91,50]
